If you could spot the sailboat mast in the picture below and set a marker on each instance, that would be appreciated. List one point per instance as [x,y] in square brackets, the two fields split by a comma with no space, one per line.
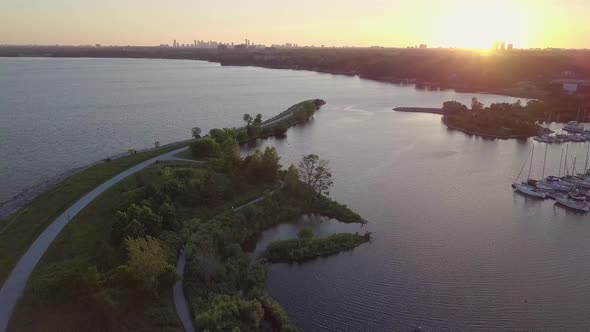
[544,161]
[560,161]
[531,163]
[574,167]
[565,160]
[586,163]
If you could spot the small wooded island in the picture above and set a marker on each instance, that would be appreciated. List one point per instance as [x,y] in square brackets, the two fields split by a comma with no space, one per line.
[499,120]
[112,267]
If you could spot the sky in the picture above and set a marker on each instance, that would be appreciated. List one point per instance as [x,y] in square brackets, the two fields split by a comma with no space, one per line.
[391,23]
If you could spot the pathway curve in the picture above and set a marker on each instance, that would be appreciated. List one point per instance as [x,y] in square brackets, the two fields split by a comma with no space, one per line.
[14,285]
[180,300]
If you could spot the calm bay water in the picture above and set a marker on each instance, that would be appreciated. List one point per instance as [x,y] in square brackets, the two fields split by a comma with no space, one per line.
[454,248]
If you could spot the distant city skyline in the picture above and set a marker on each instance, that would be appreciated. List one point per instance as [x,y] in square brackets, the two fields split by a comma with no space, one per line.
[452,23]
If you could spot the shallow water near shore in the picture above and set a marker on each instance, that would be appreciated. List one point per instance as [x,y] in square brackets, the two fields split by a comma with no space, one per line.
[453,247]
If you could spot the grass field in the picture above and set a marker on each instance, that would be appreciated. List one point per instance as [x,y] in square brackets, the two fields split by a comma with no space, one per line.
[28,223]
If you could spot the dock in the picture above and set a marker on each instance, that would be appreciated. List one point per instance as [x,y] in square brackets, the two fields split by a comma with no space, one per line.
[432,110]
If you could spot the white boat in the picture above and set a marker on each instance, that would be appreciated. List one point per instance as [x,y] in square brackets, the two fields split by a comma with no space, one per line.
[573,204]
[555,183]
[574,127]
[577,138]
[529,190]
[545,139]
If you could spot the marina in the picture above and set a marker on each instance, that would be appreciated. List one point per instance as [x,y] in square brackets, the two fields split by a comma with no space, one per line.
[570,190]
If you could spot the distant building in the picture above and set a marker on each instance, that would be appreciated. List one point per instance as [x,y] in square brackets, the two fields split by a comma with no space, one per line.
[503,46]
[495,48]
[423,46]
[510,47]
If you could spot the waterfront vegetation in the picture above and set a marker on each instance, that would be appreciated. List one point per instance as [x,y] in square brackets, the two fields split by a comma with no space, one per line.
[501,120]
[307,247]
[20,230]
[112,265]
[255,128]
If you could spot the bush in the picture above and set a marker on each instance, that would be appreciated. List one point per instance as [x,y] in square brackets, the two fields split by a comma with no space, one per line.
[297,250]
[305,234]
[205,148]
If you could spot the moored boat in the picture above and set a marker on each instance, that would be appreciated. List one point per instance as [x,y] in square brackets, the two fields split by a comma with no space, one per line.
[573,204]
[574,127]
[529,190]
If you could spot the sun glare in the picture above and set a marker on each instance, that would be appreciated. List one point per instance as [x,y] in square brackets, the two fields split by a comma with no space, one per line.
[471,24]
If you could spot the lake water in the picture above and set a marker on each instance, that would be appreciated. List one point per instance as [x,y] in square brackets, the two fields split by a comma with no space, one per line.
[454,248]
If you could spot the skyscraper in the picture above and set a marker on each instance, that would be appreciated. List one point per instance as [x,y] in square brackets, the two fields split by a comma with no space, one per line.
[510,47]
[503,46]
[495,46]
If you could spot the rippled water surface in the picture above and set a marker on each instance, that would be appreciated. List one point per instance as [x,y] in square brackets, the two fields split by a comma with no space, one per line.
[454,248]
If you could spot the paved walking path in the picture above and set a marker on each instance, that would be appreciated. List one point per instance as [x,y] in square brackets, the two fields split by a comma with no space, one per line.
[13,287]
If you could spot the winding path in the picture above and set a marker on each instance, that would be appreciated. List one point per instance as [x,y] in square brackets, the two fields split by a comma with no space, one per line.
[13,287]
[180,300]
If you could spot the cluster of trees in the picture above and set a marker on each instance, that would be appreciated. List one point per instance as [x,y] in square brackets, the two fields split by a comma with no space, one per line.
[307,247]
[219,279]
[498,120]
[210,146]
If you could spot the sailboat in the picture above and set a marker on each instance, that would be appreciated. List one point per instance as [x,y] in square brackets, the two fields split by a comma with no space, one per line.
[524,187]
[572,203]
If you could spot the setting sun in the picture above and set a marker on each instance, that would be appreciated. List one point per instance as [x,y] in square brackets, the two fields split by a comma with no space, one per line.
[468,24]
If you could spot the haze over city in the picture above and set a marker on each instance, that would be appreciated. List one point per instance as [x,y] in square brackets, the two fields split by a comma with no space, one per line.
[454,23]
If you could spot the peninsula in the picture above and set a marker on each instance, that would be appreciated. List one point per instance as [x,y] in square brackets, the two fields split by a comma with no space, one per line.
[112,253]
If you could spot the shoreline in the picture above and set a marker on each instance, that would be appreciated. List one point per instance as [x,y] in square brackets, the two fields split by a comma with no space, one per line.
[16,204]
[13,206]
[207,56]
[468,132]
[440,111]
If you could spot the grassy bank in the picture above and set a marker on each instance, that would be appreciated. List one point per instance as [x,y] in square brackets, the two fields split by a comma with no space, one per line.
[305,248]
[28,223]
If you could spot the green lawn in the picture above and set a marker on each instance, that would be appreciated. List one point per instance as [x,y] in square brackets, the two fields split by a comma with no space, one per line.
[26,226]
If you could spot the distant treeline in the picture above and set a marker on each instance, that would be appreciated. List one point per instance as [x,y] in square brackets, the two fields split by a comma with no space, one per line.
[458,69]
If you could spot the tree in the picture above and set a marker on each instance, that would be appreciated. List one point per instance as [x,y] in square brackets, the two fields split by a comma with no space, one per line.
[258,119]
[248,119]
[263,166]
[292,178]
[205,148]
[230,155]
[305,234]
[196,131]
[157,144]
[315,173]
[476,105]
[219,135]
[453,107]
[147,263]
[136,221]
